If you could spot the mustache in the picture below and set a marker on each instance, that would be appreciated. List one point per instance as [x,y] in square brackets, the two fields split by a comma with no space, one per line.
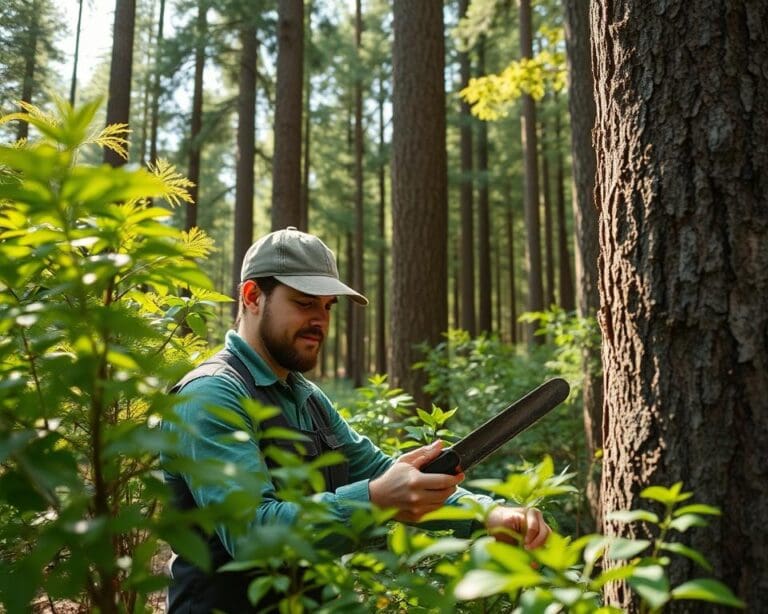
[314,331]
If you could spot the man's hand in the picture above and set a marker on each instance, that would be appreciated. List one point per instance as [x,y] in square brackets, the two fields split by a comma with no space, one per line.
[404,487]
[518,524]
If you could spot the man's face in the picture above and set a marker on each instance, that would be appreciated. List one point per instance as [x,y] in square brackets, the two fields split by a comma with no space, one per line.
[293,326]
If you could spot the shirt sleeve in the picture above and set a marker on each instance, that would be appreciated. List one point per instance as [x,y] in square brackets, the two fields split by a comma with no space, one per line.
[208,437]
[367,461]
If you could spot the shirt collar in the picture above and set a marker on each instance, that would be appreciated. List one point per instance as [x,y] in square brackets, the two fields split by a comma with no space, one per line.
[262,373]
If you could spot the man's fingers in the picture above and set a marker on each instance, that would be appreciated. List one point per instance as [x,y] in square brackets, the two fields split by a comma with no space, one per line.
[420,456]
[536,530]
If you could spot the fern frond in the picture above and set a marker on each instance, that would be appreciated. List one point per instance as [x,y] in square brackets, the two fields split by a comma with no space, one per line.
[38,113]
[197,244]
[175,183]
[112,137]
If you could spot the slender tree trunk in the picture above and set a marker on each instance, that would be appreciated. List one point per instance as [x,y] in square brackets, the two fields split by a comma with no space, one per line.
[682,136]
[531,194]
[337,324]
[582,110]
[156,87]
[197,114]
[73,85]
[483,214]
[121,69]
[565,277]
[381,294]
[306,158]
[358,269]
[419,190]
[286,163]
[350,358]
[511,258]
[467,259]
[246,126]
[546,200]
[30,65]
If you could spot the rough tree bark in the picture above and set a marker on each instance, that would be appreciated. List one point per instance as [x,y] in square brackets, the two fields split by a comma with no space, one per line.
[286,163]
[419,189]
[467,310]
[121,68]
[581,104]
[682,142]
[246,125]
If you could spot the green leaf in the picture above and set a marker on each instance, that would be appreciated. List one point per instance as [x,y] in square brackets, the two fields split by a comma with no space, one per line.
[450,512]
[633,516]
[667,496]
[686,521]
[188,544]
[651,584]
[705,589]
[445,545]
[623,549]
[398,539]
[697,508]
[479,583]
[196,322]
[258,589]
[690,553]
[621,572]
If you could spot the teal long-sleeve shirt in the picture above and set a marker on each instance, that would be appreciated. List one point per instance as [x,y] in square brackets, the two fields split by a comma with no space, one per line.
[208,437]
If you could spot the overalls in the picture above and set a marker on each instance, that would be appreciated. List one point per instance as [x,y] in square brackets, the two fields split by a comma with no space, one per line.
[192,590]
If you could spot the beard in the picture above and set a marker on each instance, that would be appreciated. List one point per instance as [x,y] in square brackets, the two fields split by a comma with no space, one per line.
[283,349]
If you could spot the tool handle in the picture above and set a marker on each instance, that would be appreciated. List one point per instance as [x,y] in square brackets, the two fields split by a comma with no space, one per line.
[448,463]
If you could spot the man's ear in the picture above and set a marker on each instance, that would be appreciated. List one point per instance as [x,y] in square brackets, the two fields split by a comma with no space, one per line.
[251,295]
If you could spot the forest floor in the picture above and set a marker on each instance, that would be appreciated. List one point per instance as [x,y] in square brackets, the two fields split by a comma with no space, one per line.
[156,601]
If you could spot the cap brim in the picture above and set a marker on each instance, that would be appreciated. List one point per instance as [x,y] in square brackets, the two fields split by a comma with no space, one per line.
[320,285]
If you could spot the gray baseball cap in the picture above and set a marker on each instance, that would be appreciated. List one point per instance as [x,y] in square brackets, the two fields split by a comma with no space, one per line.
[298,260]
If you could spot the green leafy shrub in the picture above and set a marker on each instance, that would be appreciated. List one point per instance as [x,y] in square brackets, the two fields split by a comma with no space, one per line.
[90,321]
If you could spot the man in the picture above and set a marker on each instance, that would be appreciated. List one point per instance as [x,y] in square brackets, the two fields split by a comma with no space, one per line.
[289,285]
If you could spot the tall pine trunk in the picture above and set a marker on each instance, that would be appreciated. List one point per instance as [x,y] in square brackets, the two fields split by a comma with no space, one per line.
[246,125]
[121,69]
[286,163]
[419,190]
[682,141]
[581,104]
[531,194]
[381,294]
[76,57]
[360,367]
[467,234]
[485,313]
[155,119]
[196,121]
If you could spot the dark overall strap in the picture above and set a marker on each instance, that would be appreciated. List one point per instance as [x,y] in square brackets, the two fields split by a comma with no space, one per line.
[193,590]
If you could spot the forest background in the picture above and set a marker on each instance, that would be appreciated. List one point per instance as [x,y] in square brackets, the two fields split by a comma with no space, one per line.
[631,193]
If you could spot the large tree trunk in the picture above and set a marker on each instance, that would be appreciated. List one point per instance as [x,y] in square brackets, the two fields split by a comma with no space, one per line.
[467,224]
[305,156]
[286,164]
[246,125]
[531,195]
[419,189]
[197,114]
[581,104]
[121,68]
[682,136]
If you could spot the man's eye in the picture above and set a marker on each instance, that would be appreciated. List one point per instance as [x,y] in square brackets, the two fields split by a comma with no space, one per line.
[304,304]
